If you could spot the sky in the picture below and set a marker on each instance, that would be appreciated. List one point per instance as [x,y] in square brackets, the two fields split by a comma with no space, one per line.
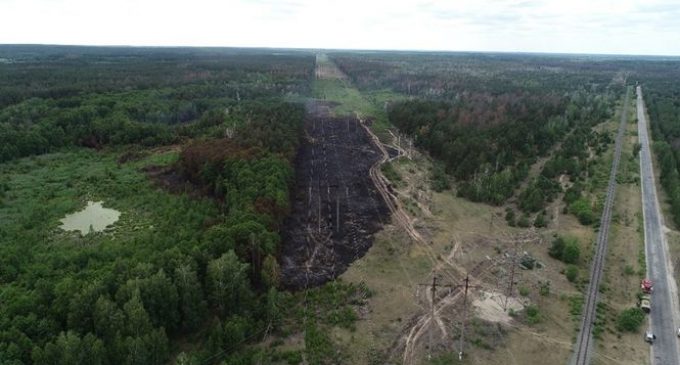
[646,27]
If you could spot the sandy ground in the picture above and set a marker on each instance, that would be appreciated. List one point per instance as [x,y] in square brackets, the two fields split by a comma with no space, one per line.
[495,307]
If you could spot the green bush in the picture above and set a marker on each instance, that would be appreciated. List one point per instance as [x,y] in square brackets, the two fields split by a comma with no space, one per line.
[510,217]
[573,193]
[523,291]
[566,250]
[630,320]
[575,305]
[571,252]
[583,211]
[571,273]
[555,250]
[540,222]
[533,315]
[439,180]
[523,222]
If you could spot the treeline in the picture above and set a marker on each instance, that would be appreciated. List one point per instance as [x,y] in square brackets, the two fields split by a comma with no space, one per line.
[662,98]
[573,158]
[489,154]
[449,75]
[110,97]
[488,117]
[62,72]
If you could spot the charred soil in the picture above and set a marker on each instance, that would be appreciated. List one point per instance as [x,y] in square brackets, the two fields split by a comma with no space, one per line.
[336,208]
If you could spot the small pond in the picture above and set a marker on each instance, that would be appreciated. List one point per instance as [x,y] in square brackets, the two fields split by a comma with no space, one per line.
[94,218]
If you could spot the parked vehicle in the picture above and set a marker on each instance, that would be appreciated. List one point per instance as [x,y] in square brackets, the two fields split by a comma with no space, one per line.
[645,303]
[649,336]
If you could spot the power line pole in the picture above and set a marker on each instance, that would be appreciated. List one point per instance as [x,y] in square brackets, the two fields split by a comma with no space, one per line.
[433,292]
[462,327]
[434,296]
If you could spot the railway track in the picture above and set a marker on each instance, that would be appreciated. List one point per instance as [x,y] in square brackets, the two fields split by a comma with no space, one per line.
[584,341]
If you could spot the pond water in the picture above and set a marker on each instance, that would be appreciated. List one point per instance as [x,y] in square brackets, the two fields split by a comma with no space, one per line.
[94,218]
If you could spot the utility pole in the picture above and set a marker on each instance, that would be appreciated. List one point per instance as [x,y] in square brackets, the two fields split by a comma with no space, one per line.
[433,292]
[434,296]
[462,327]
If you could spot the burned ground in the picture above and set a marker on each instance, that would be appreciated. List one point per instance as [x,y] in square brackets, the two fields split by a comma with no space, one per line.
[336,208]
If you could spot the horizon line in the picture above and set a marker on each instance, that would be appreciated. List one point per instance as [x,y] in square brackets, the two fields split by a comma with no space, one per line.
[322,49]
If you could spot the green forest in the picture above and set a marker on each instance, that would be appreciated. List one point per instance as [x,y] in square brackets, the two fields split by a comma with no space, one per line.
[662,98]
[196,264]
[488,118]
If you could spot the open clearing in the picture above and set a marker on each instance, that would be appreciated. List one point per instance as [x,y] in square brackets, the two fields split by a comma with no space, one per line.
[93,218]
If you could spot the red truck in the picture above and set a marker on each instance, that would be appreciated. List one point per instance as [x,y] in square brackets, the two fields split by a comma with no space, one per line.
[646,286]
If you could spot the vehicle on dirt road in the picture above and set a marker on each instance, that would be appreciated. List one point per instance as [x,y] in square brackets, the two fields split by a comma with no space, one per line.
[646,286]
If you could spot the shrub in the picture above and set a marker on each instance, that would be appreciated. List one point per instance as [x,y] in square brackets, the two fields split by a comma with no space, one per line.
[582,210]
[523,291]
[571,252]
[540,222]
[566,250]
[573,193]
[533,315]
[439,178]
[630,320]
[575,305]
[571,273]
[510,217]
[523,222]
[555,250]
